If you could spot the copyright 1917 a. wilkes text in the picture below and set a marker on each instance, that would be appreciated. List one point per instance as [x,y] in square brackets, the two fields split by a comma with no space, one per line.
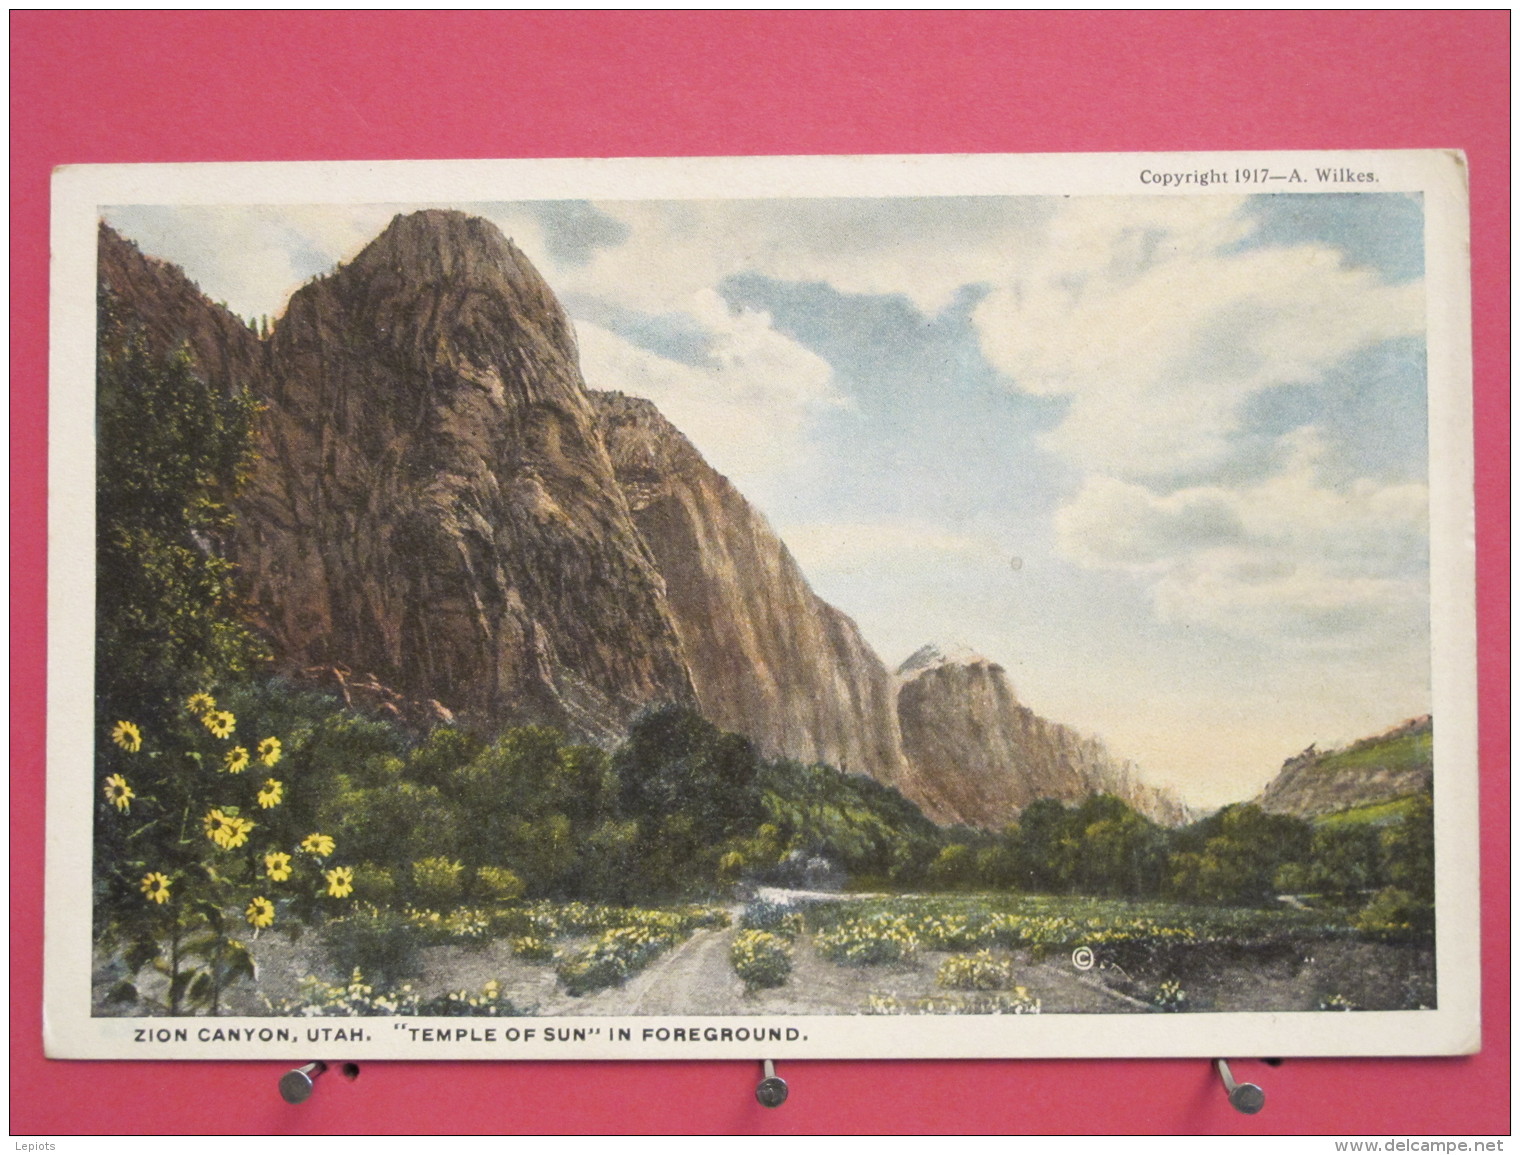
[1205,177]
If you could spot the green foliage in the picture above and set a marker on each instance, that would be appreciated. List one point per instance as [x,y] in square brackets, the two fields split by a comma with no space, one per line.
[535,802]
[954,866]
[760,959]
[1405,753]
[868,829]
[376,941]
[1123,853]
[1234,856]
[375,885]
[172,449]
[615,956]
[499,883]
[871,941]
[1100,846]
[1048,924]
[436,881]
[1345,858]
[1170,997]
[1409,850]
[1395,913]
[441,755]
[489,1003]
[356,998]
[1383,813]
[201,842]
[777,918]
[677,762]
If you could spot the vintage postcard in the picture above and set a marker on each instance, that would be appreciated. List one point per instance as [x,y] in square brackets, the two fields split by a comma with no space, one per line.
[772,607]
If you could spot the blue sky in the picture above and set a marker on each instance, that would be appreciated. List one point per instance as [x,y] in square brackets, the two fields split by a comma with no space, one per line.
[1162,457]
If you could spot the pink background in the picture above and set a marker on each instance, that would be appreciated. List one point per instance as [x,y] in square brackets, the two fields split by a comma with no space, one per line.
[119,87]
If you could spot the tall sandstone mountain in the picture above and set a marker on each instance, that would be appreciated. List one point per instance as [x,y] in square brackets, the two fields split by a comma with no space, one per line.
[440,502]
[990,756]
[768,657]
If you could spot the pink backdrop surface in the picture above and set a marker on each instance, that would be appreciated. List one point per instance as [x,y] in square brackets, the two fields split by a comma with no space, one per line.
[138,87]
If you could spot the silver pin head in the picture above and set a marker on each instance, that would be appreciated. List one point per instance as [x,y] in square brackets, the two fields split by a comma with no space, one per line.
[296,1086]
[1248,1098]
[771,1091]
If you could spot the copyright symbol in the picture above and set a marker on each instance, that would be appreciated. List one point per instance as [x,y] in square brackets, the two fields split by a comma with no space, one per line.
[1082,958]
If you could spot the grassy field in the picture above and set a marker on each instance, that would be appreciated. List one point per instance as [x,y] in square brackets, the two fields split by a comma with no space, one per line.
[836,954]
[1144,956]
[1384,813]
[1406,752]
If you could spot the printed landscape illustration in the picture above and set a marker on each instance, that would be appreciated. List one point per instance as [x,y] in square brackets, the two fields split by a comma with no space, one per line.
[459,651]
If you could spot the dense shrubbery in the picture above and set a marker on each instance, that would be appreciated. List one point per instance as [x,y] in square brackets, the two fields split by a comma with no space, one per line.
[871,941]
[761,959]
[614,957]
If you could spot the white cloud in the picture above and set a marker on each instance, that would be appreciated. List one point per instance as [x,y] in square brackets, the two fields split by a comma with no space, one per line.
[747,410]
[1286,559]
[1140,314]
[923,250]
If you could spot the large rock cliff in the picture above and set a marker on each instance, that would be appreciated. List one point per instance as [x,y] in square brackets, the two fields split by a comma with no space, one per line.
[767,656]
[442,508]
[433,503]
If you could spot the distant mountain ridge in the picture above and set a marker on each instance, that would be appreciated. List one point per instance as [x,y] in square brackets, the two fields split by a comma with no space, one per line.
[1389,765]
[442,505]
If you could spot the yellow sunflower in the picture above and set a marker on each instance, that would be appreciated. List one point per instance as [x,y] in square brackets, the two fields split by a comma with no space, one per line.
[277,864]
[155,887]
[269,751]
[118,792]
[319,844]
[127,736]
[241,829]
[340,882]
[269,796]
[226,830]
[260,911]
[221,723]
[236,760]
[218,827]
[200,704]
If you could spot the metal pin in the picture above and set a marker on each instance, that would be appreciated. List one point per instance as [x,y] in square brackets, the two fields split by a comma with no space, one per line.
[1247,1098]
[296,1085]
[771,1091]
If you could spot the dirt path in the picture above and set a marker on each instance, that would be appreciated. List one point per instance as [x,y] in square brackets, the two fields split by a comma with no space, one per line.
[694,978]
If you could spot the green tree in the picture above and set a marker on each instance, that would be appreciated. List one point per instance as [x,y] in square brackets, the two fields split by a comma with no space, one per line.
[1409,851]
[1122,855]
[955,866]
[1234,855]
[172,449]
[1346,858]
[676,762]
[1041,828]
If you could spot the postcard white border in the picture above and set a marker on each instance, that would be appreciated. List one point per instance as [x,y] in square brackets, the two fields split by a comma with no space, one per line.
[79,192]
